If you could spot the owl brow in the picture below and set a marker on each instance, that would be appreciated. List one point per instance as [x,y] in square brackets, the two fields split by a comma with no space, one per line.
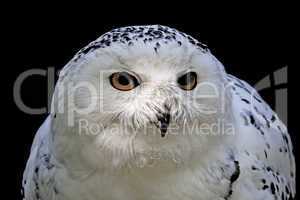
[183,72]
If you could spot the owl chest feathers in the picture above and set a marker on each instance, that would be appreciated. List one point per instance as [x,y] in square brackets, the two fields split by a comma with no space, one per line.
[192,181]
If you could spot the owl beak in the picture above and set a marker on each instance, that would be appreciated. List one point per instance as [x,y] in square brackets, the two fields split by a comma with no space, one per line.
[163,123]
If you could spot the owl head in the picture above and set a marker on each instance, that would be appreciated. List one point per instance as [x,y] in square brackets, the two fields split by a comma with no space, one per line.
[140,95]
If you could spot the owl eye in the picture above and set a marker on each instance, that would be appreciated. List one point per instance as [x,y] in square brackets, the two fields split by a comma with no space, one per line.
[123,81]
[188,81]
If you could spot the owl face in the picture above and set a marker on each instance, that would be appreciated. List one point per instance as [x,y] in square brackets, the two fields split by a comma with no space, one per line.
[153,88]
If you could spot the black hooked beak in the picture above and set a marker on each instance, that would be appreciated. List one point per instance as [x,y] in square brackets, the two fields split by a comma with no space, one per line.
[164,121]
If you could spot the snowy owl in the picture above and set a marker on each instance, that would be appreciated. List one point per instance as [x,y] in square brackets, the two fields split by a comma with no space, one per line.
[148,113]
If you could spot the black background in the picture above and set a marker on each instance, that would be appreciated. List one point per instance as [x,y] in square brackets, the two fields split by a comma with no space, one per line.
[250,41]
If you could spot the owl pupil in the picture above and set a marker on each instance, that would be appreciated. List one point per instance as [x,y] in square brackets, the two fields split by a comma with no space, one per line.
[185,80]
[123,80]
